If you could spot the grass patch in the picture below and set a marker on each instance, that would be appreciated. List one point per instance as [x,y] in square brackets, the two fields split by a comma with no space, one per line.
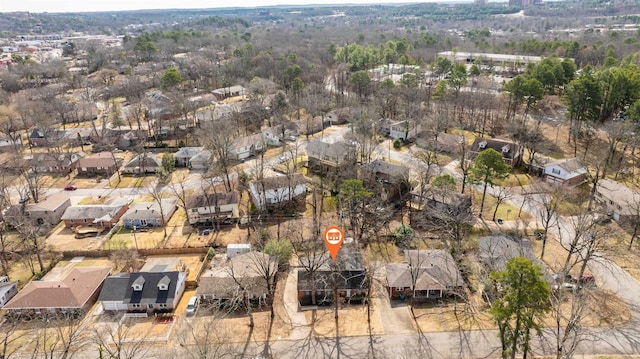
[329,204]
[132,181]
[93,200]
[515,180]
[506,211]
[575,202]
[468,135]
[387,252]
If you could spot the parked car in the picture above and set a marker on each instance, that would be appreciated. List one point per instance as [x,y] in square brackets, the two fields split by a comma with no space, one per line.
[24,199]
[586,280]
[70,188]
[192,305]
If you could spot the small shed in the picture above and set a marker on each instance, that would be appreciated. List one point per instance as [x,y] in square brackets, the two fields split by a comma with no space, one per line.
[236,249]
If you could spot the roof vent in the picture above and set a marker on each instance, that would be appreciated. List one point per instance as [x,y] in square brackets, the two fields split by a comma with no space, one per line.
[482,144]
[505,149]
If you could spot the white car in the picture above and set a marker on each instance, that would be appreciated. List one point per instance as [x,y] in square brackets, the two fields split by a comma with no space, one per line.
[192,305]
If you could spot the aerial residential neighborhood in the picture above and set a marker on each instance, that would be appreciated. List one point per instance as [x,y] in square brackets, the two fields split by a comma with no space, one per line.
[320,181]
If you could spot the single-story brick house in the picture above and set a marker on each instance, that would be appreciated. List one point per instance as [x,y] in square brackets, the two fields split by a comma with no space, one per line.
[96,215]
[149,214]
[75,292]
[426,274]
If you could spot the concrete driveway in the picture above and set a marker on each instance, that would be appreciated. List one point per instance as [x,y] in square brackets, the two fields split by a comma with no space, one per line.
[396,318]
[299,327]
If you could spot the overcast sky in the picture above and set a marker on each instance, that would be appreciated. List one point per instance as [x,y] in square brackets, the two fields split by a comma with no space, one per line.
[109,5]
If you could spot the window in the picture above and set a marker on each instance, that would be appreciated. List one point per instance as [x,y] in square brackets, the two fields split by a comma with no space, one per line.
[555,170]
[162,305]
[399,289]
[135,305]
[84,220]
[150,306]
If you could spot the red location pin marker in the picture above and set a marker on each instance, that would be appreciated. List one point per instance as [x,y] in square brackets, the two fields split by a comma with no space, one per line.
[333,238]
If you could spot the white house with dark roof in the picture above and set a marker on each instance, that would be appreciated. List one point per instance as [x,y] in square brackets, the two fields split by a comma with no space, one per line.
[568,172]
[143,291]
[277,190]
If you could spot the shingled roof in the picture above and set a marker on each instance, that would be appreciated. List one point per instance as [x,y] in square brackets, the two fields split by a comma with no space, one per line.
[71,292]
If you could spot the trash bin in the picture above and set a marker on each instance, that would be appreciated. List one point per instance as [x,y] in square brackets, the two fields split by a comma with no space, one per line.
[499,220]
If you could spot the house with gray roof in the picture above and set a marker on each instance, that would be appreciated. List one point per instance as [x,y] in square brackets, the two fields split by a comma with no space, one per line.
[440,142]
[142,164]
[440,203]
[208,209]
[149,214]
[244,147]
[102,164]
[59,163]
[184,155]
[50,210]
[277,190]
[229,91]
[620,200]
[497,249]
[331,158]
[347,273]
[511,152]
[388,179]
[201,161]
[96,215]
[425,274]
[404,130]
[46,137]
[155,291]
[235,277]
[567,172]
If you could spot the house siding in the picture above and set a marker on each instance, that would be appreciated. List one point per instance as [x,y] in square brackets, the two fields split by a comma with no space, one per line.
[90,171]
[275,196]
[70,223]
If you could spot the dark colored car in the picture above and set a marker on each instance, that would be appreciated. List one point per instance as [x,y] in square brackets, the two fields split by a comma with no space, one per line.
[70,188]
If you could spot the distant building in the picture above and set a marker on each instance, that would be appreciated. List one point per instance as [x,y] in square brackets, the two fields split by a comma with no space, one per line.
[481,2]
[487,58]
[524,3]
[226,92]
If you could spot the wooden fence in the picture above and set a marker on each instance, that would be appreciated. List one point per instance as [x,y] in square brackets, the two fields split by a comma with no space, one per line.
[97,253]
